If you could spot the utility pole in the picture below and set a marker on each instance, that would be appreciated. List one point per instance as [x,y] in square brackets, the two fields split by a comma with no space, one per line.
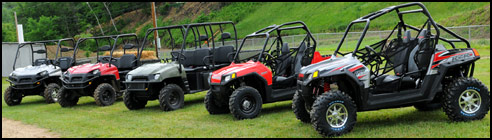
[155,32]
[96,18]
[110,16]
[16,30]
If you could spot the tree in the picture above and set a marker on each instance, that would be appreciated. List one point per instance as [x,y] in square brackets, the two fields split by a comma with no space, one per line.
[43,29]
[8,32]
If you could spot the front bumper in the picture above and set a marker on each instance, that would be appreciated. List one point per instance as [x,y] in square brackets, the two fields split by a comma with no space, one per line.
[26,82]
[78,81]
[140,83]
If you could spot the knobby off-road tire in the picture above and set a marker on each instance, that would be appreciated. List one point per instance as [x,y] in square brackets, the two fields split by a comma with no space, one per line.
[171,97]
[245,103]
[12,97]
[50,93]
[65,98]
[104,94]
[212,106]
[299,107]
[457,92]
[131,102]
[333,100]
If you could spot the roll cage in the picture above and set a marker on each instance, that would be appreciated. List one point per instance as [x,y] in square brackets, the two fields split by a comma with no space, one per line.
[111,39]
[365,53]
[58,49]
[198,38]
[265,32]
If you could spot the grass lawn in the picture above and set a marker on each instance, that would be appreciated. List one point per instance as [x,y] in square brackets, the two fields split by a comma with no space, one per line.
[276,119]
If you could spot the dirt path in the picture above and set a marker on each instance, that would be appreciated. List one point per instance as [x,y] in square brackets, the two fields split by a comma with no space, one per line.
[16,129]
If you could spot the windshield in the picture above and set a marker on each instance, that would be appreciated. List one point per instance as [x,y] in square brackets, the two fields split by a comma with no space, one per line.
[42,52]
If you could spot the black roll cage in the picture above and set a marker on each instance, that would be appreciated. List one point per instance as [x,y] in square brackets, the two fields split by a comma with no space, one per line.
[58,49]
[367,19]
[267,30]
[185,28]
[108,38]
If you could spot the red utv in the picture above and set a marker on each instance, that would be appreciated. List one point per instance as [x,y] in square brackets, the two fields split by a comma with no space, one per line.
[102,79]
[260,74]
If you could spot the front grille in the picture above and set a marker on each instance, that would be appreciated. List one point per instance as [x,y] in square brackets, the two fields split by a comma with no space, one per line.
[75,85]
[76,79]
[25,86]
[139,79]
[136,86]
[25,80]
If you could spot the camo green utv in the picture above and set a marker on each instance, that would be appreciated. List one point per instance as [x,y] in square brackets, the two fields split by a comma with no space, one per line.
[192,58]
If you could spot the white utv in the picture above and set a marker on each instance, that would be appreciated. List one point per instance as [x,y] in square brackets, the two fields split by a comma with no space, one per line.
[42,76]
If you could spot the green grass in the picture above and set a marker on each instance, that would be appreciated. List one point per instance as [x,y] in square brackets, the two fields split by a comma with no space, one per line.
[335,16]
[276,119]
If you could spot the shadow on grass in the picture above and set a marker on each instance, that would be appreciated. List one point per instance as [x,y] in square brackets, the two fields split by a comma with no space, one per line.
[276,109]
[408,118]
[33,102]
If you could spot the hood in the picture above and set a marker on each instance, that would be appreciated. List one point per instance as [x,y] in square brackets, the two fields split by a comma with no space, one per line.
[235,68]
[153,68]
[86,68]
[330,64]
[242,69]
[33,70]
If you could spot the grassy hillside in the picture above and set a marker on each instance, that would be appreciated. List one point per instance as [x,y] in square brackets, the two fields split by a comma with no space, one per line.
[334,17]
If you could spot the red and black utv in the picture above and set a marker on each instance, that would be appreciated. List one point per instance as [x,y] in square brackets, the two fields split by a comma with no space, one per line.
[102,79]
[262,73]
[398,71]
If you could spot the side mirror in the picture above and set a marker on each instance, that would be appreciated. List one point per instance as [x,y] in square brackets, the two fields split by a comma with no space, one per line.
[226,35]
[203,38]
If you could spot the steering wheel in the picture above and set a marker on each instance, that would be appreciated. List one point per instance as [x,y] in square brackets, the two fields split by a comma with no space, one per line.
[372,55]
[107,59]
[179,53]
[269,60]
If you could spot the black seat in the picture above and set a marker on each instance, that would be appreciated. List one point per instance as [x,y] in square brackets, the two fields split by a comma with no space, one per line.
[284,76]
[41,61]
[297,62]
[284,61]
[195,58]
[414,57]
[127,61]
[199,55]
[221,54]
[401,57]
[64,63]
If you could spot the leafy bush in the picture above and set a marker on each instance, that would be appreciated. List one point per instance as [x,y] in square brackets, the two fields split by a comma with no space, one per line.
[46,28]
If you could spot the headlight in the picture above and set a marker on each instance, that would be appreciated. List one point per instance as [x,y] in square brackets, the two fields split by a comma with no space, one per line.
[128,77]
[229,77]
[156,76]
[12,74]
[95,72]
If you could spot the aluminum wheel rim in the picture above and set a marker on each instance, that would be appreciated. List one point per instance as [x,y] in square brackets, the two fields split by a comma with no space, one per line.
[470,101]
[336,115]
